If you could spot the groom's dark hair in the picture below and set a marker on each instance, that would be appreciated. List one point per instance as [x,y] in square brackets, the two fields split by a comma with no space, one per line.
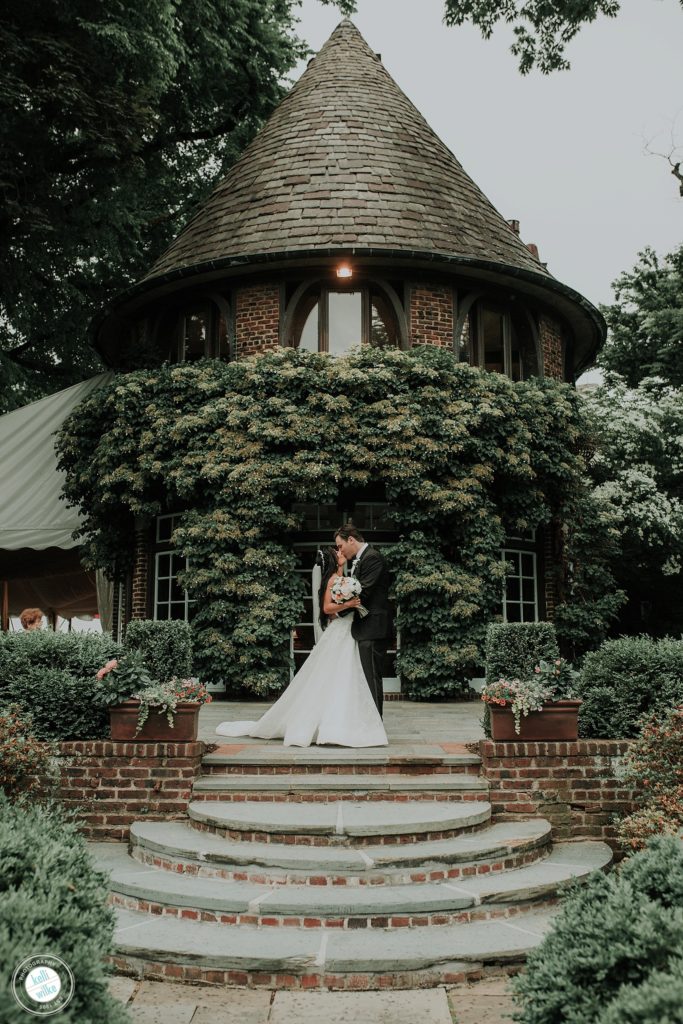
[349,531]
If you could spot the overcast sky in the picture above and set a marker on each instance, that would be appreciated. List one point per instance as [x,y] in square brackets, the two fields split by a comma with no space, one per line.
[563,154]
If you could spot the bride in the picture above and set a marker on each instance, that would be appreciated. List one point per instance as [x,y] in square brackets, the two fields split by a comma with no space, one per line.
[328,700]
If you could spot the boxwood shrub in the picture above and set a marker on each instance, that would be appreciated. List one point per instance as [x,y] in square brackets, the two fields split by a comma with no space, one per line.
[615,951]
[626,679]
[166,647]
[53,900]
[514,648]
[80,654]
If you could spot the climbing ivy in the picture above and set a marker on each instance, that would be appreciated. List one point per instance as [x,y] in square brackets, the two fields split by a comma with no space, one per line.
[464,457]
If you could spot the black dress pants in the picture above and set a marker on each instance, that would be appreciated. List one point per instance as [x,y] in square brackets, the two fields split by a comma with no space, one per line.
[372,659]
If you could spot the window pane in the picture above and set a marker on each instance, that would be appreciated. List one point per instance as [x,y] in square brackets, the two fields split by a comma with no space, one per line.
[164,565]
[177,611]
[164,528]
[529,612]
[529,590]
[524,363]
[223,349]
[528,565]
[309,334]
[163,590]
[383,326]
[197,332]
[464,353]
[492,330]
[344,321]
[513,613]
[513,593]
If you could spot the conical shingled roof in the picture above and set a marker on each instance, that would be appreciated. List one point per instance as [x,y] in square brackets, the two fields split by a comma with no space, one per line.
[346,161]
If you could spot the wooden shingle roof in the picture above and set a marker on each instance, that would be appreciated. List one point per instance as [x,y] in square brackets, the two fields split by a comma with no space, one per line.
[346,161]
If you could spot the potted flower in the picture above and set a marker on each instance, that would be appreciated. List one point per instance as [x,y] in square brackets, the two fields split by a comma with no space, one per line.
[540,708]
[141,708]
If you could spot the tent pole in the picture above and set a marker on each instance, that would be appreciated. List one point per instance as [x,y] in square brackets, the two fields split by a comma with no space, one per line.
[5,606]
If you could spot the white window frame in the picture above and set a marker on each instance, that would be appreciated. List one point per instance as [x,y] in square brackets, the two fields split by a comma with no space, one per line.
[505,552]
[188,602]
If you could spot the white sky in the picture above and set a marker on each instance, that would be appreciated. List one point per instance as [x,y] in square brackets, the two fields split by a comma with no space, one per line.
[563,154]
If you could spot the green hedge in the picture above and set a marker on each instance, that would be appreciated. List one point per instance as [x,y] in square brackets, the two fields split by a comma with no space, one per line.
[53,900]
[166,647]
[626,679]
[53,676]
[615,950]
[514,648]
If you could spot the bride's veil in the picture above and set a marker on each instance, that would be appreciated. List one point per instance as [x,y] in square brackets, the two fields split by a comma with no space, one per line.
[316,580]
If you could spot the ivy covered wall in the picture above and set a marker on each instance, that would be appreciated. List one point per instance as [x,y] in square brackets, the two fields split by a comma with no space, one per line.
[465,457]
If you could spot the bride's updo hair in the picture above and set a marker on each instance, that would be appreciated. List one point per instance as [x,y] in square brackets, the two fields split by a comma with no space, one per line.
[327,560]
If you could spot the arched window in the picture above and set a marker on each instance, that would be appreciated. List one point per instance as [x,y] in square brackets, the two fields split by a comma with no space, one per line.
[497,339]
[197,330]
[321,318]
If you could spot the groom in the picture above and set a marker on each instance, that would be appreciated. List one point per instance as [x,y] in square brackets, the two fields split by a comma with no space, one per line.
[373,631]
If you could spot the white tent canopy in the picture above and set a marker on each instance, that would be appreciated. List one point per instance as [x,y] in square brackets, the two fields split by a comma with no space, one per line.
[31,512]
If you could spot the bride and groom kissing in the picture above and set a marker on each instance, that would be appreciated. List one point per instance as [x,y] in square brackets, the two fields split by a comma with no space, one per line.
[336,696]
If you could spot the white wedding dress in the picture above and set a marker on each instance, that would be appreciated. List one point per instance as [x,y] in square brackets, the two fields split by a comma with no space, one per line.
[327,701]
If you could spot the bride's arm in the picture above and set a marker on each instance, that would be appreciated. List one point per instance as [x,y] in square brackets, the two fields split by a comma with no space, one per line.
[330,607]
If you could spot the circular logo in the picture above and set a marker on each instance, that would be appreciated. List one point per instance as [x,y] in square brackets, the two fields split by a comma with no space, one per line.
[43,984]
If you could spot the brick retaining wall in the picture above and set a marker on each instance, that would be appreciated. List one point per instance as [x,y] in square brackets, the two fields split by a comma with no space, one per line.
[113,784]
[573,785]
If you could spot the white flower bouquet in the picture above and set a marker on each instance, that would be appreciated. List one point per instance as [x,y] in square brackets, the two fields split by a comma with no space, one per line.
[344,589]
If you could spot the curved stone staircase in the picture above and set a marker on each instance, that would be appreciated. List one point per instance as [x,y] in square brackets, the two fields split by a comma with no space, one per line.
[318,873]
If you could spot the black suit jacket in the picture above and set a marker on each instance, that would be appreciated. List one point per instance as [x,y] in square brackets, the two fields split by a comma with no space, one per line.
[375,579]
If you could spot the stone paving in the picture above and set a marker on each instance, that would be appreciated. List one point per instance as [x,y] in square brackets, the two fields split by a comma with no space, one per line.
[153,1002]
[412,726]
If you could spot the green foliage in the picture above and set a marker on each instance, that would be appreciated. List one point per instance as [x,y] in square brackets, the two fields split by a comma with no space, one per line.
[464,457]
[542,30]
[654,765]
[166,647]
[625,679]
[513,649]
[81,654]
[615,936]
[26,765]
[646,321]
[52,899]
[52,676]
[116,120]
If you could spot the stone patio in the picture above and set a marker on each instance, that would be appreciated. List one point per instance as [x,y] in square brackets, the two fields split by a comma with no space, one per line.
[153,1002]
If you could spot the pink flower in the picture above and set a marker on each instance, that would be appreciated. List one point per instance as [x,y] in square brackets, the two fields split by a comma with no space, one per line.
[109,667]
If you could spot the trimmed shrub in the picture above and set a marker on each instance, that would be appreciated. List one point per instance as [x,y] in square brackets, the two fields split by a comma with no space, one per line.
[626,679]
[166,647]
[63,706]
[654,764]
[614,937]
[52,899]
[79,654]
[514,648]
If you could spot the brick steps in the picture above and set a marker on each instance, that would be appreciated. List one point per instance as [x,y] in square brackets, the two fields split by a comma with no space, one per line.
[325,787]
[176,847]
[424,903]
[341,823]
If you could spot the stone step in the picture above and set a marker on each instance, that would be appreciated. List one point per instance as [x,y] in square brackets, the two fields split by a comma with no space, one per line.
[177,847]
[325,786]
[273,759]
[155,946]
[339,823]
[438,903]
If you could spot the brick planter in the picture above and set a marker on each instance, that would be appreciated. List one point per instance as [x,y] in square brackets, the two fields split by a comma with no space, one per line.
[574,785]
[110,785]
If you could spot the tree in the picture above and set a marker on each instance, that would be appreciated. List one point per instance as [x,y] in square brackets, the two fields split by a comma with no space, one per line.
[542,30]
[646,321]
[637,474]
[115,120]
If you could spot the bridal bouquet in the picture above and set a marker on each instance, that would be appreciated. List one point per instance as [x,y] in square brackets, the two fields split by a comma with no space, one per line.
[344,589]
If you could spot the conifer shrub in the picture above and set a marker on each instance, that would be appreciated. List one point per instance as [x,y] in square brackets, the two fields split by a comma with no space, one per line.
[53,900]
[617,938]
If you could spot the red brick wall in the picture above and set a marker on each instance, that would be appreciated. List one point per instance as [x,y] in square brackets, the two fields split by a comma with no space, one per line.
[257,319]
[431,315]
[551,347]
[113,784]
[140,574]
[573,785]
